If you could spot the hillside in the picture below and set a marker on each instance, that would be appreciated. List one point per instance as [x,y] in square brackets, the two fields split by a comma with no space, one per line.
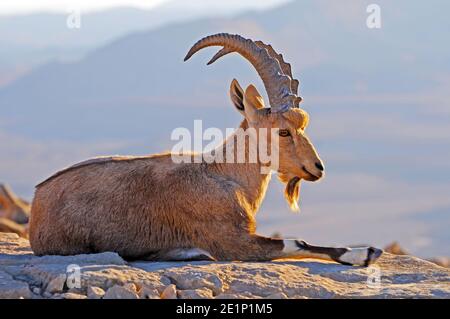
[25,276]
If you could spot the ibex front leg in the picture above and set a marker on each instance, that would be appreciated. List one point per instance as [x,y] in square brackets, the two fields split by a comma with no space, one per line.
[361,256]
[298,249]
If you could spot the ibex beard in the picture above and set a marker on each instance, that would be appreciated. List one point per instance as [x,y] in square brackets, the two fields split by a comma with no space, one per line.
[155,209]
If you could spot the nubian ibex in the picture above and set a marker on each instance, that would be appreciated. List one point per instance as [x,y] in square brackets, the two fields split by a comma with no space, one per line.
[154,209]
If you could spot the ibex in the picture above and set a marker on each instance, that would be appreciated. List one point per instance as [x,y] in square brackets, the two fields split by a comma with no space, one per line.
[154,209]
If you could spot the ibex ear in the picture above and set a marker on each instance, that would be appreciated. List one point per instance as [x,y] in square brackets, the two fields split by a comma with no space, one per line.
[253,101]
[237,96]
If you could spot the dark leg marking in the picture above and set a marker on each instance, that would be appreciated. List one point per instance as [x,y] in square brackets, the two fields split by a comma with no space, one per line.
[372,252]
[333,253]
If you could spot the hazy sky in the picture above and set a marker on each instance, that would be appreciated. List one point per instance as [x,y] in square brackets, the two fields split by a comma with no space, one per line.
[30,6]
[378,99]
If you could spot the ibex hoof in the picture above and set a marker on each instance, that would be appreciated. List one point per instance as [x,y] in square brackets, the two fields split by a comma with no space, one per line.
[363,256]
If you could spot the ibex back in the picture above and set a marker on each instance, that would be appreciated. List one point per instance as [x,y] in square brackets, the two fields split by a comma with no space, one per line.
[152,208]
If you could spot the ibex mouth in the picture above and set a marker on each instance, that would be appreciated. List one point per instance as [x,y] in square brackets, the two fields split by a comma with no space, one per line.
[310,176]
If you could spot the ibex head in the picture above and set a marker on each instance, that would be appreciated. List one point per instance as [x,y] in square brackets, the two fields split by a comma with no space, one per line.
[298,158]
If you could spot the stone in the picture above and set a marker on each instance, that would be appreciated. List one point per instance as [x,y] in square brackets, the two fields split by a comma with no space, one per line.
[11,288]
[57,284]
[396,249]
[170,292]
[149,293]
[120,292]
[237,296]
[95,292]
[46,294]
[193,279]
[165,281]
[441,261]
[71,295]
[107,276]
[203,293]
[278,295]
[23,275]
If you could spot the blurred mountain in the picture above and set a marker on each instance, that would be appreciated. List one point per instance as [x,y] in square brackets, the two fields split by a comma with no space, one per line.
[378,100]
[333,52]
[33,39]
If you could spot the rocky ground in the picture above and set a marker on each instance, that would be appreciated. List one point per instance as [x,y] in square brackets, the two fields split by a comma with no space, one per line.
[106,275]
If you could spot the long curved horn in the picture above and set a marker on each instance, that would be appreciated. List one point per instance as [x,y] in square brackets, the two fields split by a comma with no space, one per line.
[286,67]
[277,83]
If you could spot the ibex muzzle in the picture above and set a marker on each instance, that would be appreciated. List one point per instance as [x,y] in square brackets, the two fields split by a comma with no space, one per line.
[152,208]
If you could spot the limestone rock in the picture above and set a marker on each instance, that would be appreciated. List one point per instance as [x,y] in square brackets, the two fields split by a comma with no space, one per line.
[149,293]
[170,292]
[23,275]
[190,278]
[11,288]
[202,293]
[57,284]
[246,295]
[106,276]
[95,292]
[71,295]
[441,261]
[396,249]
[278,295]
[121,292]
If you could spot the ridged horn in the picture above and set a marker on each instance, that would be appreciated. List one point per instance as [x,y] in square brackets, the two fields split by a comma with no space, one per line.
[218,55]
[286,67]
[277,84]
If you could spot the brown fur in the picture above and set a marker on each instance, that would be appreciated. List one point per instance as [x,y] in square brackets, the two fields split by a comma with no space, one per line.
[142,207]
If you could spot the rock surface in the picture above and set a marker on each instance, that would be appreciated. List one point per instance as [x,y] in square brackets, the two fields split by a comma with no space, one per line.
[170,292]
[95,292]
[396,249]
[127,291]
[23,275]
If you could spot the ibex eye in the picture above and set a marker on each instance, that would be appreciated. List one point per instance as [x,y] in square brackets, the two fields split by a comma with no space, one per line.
[284,133]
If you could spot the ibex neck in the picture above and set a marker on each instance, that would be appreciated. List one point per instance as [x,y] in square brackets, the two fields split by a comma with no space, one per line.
[250,176]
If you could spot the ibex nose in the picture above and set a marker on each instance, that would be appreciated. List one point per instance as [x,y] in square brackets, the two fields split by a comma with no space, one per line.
[319,166]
